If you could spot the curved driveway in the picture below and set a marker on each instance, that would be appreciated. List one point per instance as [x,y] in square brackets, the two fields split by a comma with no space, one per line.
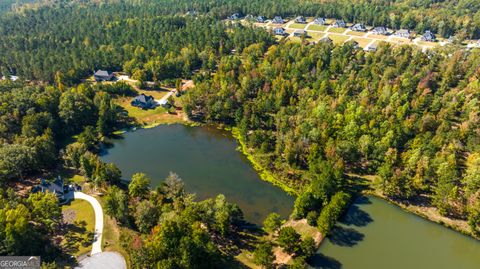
[98,235]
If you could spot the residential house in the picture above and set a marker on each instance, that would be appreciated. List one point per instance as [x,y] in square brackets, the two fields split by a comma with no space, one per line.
[278,20]
[261,19]
[358,27]
[320,21]
[279,31]
[402,33]
[428,36]
[102,75]
[300,19]
[12,78]
[372,48]
[144,101]
[56,187]
[380,30]
[354,44]
[325,40]
[339,24]
[234,16]
[300,33]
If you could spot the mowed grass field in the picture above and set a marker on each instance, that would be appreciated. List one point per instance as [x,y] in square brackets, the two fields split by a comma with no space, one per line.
[81,218]
[337,30]
[316,27]
[362,42]
[338,39]
[354,33]
[298,25]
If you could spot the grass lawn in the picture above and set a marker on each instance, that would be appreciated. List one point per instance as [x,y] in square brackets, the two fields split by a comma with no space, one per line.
[354,33]
[337,30]
[338,39]
[382,37]
[430,44]
[298,25]
[155,116]
[77,179]
[80,217]
[401,40]
[362,42]
[314,36]
[316,27]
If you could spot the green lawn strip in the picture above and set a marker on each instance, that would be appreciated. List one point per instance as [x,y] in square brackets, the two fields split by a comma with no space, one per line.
[316,27]
[338,39]
[81,227]
[354,33]
[337,30]
[383,37]
[362,42]
[264,174]
[298,25]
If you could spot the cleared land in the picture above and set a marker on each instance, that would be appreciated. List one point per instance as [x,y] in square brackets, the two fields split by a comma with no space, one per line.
[338,39]
[337,30]
[316,27]
[298,25]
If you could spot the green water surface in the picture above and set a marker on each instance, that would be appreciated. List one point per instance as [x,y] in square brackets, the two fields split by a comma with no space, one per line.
[375,234]
[208,162]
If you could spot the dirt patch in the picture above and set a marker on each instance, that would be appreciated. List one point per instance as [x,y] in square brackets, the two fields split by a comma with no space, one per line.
[69,216]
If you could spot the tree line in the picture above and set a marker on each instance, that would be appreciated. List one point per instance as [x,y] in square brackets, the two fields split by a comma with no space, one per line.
[314,114]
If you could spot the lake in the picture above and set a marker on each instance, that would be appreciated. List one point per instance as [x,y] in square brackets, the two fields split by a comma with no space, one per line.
[208,162]
[376,234]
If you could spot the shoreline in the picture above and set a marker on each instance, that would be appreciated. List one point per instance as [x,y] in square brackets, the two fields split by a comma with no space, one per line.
[267,176]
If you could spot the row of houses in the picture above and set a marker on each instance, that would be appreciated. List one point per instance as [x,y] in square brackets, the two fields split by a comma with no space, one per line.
[358,27]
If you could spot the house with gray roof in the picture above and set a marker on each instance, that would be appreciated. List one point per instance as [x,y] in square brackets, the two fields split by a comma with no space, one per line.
[325,40]
[428,36]
[402,33]
[358,27]
[278,20]
[261,19]
[380,30]
[234,16]
[279,31]
[300,33]
[300,19]
[339,24]
[56,187]
[143,101]
[102,75]
[320,21]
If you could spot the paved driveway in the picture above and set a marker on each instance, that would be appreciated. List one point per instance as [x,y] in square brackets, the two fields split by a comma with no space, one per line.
[104,260]
[98,235]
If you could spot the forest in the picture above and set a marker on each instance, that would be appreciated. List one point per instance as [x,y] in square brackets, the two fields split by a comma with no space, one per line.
[316,113]
[76,38]
[321,118]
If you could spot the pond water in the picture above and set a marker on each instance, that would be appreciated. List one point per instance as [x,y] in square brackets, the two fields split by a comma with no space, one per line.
[208,162]
[376,234]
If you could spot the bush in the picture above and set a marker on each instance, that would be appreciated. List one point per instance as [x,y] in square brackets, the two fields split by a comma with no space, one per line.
[312,217]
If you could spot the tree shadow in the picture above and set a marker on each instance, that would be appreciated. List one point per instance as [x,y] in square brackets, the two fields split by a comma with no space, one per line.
[356,216]
[320,261]
[345,237]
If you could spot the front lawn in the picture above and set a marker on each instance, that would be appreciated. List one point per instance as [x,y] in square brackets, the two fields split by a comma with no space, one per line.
[80,224]
[316,27]
[298,25]
[337,30]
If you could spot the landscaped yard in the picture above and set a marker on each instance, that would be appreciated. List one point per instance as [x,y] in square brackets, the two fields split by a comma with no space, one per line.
[298,25]
[337,30]
[338,39]
[80,219]
[362,42]
[354,33]
[314,36]
[383,37]
[154,116]
[316,27]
